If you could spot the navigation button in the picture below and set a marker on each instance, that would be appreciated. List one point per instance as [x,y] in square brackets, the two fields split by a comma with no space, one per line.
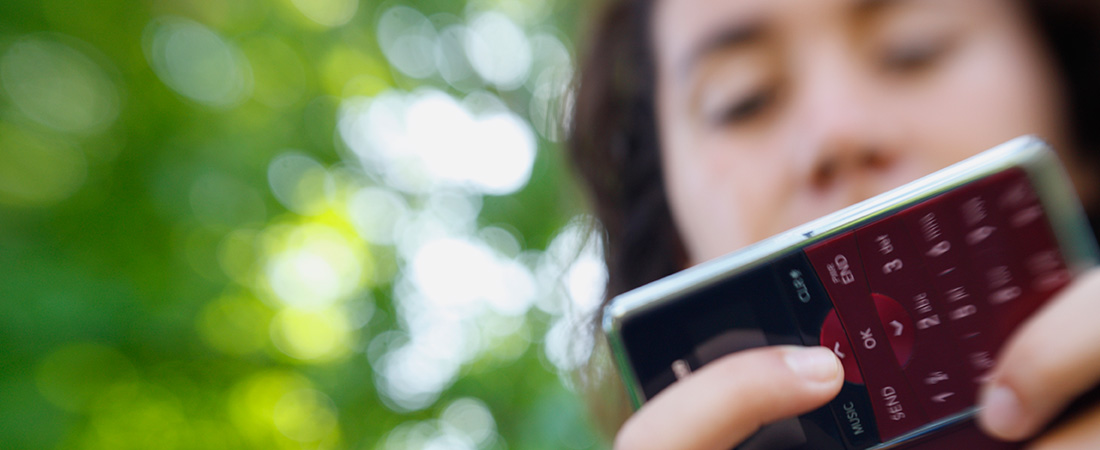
[833,337]
[893,316]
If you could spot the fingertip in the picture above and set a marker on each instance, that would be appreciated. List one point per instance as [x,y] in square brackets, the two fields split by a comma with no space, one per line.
[1002,414]
[814,365]
[627,437]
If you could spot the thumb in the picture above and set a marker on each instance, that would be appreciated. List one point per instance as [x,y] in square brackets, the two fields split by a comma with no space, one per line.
[728,400]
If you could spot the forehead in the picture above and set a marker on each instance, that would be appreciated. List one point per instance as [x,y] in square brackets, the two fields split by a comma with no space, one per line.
[680,25]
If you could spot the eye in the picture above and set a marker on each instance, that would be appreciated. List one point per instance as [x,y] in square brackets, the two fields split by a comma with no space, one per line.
[745,108]
[914,56]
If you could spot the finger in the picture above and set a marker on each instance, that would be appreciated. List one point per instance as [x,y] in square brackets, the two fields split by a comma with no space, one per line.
[730,399]
[1080,432]
[1050,360]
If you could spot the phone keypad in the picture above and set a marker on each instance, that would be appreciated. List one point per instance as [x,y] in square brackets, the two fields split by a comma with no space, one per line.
[838,264]
[913,313]
[1036,259]
[923,299]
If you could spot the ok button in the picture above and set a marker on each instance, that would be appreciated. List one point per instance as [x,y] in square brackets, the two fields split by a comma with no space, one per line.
[868,339]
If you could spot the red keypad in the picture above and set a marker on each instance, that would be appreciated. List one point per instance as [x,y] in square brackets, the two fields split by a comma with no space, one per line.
[928,354]
[955,279]
[925,298]
[1036,260]
[838,265]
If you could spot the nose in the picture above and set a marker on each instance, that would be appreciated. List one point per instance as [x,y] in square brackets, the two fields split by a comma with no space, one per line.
[844,137]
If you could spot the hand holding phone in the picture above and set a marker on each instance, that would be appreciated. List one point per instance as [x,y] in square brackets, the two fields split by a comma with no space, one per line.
[914,291]
[729,399]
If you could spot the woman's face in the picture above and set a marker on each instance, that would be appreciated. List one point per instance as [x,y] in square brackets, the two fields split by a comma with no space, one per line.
[774,112]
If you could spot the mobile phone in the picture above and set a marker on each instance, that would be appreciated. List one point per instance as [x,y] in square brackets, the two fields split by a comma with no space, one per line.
[915,290]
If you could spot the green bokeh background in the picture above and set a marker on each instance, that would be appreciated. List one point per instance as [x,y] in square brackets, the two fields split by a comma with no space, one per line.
[134,221]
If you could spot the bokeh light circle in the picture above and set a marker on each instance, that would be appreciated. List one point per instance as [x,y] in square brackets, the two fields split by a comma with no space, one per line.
[428,139]
[311,335]
[234,324]
[305,415]
[450,57]
[498,50]
[408,40]
[315,266]
[298,182]
[470,417]
[58,86]
[376,213]
[197,62]
[330,13]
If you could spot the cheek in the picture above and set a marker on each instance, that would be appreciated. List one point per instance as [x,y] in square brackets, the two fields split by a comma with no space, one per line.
[719,195]
[997,89]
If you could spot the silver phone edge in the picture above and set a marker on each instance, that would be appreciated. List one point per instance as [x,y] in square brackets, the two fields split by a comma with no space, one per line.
[1029,153]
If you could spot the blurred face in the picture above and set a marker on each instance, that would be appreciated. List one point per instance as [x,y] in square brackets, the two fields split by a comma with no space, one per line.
[775,112]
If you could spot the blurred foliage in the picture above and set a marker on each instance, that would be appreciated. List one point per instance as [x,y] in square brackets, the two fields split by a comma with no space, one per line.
[190,243]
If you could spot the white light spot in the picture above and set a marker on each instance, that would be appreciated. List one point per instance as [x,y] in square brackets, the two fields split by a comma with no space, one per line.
[501,240]
[456,209]
[318,268]
[449,442]
[450,57]
[298,182]
[568,345]
[460,274]
[452,271]
[428,139]
[470,418]
[408,40]
[586,281]
[506,155]
[550,86]
[196,62]
[549,53]
[409,435]
[498,50]
[577,253]
[376,212]
[304,278]
[411,381]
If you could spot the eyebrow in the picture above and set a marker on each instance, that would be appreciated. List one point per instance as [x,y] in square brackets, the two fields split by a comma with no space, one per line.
[865,6]
[752,31]
[730,36]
